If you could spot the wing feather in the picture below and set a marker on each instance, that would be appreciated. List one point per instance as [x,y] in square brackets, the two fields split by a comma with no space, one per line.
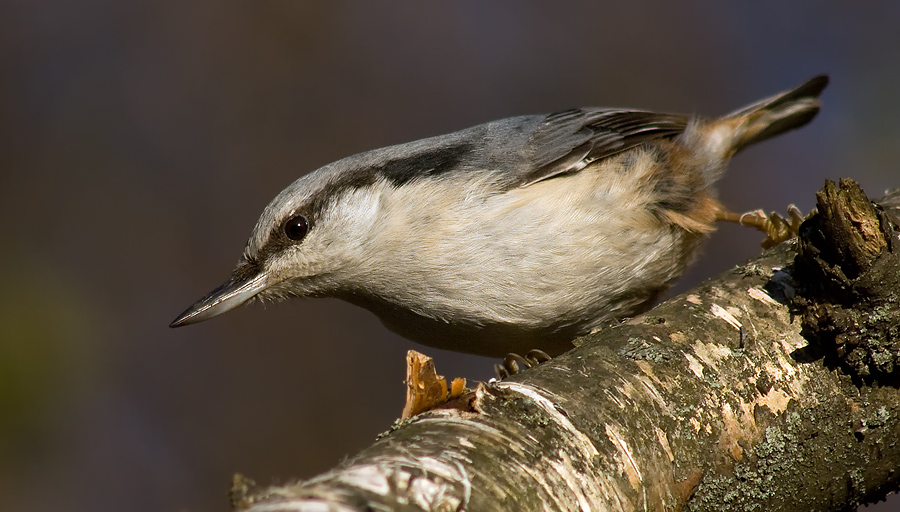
[567,141]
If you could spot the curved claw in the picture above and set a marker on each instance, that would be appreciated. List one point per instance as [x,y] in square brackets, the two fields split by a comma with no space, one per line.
[500,371]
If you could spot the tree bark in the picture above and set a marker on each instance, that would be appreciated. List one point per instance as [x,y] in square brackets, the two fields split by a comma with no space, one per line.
[770,387]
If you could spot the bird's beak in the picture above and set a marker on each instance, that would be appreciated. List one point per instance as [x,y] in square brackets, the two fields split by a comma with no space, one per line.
[246,281]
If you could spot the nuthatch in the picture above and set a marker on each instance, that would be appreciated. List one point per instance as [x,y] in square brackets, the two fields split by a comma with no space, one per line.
[516,234]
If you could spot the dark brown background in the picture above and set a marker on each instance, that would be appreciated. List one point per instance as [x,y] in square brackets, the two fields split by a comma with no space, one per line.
[140,140]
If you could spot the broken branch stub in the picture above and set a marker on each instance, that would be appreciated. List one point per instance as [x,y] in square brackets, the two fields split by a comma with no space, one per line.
[848,264]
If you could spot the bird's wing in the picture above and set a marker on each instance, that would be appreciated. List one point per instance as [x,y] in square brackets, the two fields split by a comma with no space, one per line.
[566,141]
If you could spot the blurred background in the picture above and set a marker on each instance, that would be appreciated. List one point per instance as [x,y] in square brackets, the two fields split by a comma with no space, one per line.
[140,140]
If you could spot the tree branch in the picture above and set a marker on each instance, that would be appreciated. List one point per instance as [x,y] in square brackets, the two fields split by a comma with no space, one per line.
[713,400]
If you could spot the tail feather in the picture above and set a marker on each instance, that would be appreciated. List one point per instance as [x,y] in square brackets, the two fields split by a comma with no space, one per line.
[778,114]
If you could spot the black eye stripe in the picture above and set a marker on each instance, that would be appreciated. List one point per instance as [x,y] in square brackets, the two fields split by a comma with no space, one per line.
[296,227]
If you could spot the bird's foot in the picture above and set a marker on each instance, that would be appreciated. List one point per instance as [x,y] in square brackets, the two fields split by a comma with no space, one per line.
[777,228]
[514,363]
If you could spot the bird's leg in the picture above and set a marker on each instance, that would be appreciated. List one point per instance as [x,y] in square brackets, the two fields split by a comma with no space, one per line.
[513,363]
[777,228]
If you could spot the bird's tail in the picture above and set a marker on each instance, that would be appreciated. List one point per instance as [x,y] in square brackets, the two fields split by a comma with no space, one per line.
[777,114]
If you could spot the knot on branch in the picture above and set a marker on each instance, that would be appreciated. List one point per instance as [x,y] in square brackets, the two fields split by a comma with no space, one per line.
[848,269]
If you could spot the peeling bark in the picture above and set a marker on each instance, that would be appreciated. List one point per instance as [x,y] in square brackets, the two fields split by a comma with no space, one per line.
[713,400]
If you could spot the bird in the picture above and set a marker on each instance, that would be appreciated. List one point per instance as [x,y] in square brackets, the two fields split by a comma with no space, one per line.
[517,234]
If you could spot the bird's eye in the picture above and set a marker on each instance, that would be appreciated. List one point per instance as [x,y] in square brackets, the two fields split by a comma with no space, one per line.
[296,228]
